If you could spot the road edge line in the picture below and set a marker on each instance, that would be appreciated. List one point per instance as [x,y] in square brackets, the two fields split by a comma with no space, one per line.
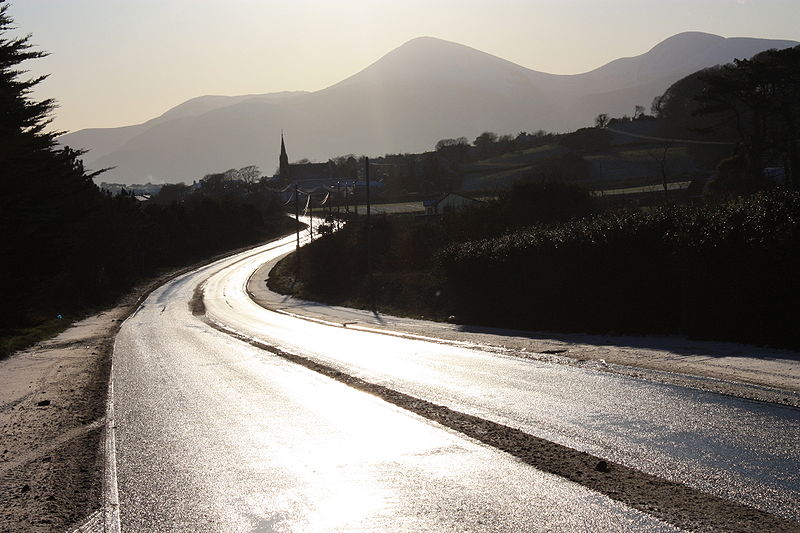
[366,329]
[111,519]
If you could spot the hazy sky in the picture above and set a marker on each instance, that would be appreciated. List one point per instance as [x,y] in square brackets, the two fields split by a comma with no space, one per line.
[120,62]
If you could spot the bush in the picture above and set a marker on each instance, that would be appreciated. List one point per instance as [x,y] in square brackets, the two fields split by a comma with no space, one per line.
[723,272]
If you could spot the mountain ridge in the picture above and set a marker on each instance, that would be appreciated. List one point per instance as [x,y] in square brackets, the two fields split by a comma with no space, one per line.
[414,95]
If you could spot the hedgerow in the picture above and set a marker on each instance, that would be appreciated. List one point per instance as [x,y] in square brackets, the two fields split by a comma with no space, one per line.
[724,272]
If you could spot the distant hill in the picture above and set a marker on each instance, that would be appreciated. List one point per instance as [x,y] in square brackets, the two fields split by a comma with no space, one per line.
[423,91]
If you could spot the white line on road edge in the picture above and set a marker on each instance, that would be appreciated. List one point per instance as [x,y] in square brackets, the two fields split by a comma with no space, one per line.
[390,332]
[110,493]
[106,519]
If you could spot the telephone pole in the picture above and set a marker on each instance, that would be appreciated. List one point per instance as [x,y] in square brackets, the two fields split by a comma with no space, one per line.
[297,227]
[369,244]
[310,218]
[367,176]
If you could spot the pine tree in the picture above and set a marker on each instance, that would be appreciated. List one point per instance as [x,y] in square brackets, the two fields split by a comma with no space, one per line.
[22,120]
[47,201]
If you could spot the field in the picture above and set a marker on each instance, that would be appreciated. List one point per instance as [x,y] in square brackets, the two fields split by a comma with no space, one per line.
[621,167]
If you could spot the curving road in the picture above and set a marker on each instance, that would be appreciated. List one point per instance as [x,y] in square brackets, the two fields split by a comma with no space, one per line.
[215,434]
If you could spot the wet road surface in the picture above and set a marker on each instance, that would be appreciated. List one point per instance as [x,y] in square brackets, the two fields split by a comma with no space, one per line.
[743,450]
[216,435]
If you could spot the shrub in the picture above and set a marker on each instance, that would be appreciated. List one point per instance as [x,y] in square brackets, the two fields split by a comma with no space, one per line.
[724,272]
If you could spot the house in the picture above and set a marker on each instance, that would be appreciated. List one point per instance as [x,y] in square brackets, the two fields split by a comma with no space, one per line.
[450,202]
[137,189]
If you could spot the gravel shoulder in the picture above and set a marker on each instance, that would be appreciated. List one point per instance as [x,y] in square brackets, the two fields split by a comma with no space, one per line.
[52,412]
[745,371]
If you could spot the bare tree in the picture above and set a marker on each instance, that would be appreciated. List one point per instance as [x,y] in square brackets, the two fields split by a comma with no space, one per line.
[230,175]
[662,163]
[249,174]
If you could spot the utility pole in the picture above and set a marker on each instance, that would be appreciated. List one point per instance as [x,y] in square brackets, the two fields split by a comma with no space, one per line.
[367,176]
[369,244]
[346,201]
[297,226]
[355,195]
[310,218]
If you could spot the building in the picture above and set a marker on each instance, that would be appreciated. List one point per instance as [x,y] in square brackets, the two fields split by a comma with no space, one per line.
[317,181]
[306,175]
[450,202]
[137,189]
[322,182]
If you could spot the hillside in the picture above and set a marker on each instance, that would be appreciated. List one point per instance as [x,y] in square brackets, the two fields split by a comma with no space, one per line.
[423,91]
[629,158]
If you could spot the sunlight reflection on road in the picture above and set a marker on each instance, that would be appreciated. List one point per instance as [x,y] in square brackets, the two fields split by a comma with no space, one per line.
[687,436]
[216,435]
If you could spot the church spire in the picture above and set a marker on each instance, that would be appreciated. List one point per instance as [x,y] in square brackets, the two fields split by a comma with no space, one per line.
[283,169]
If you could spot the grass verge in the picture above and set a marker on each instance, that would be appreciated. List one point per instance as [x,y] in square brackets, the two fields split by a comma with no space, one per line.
[12,340]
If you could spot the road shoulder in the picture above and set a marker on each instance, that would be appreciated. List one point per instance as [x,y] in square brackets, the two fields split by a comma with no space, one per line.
[52,414]
[745,371]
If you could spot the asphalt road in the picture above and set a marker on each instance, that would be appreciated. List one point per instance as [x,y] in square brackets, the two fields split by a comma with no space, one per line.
[214,434]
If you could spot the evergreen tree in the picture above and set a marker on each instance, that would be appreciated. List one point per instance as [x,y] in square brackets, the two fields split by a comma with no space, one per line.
[47,198]
[22,120]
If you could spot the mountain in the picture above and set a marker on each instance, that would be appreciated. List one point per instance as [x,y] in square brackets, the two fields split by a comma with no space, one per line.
[423,91]
[102,141]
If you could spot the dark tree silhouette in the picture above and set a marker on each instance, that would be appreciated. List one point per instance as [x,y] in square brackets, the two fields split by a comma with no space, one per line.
[67,247]
[484,143]
[45,189]
[763,96]
[754,102]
